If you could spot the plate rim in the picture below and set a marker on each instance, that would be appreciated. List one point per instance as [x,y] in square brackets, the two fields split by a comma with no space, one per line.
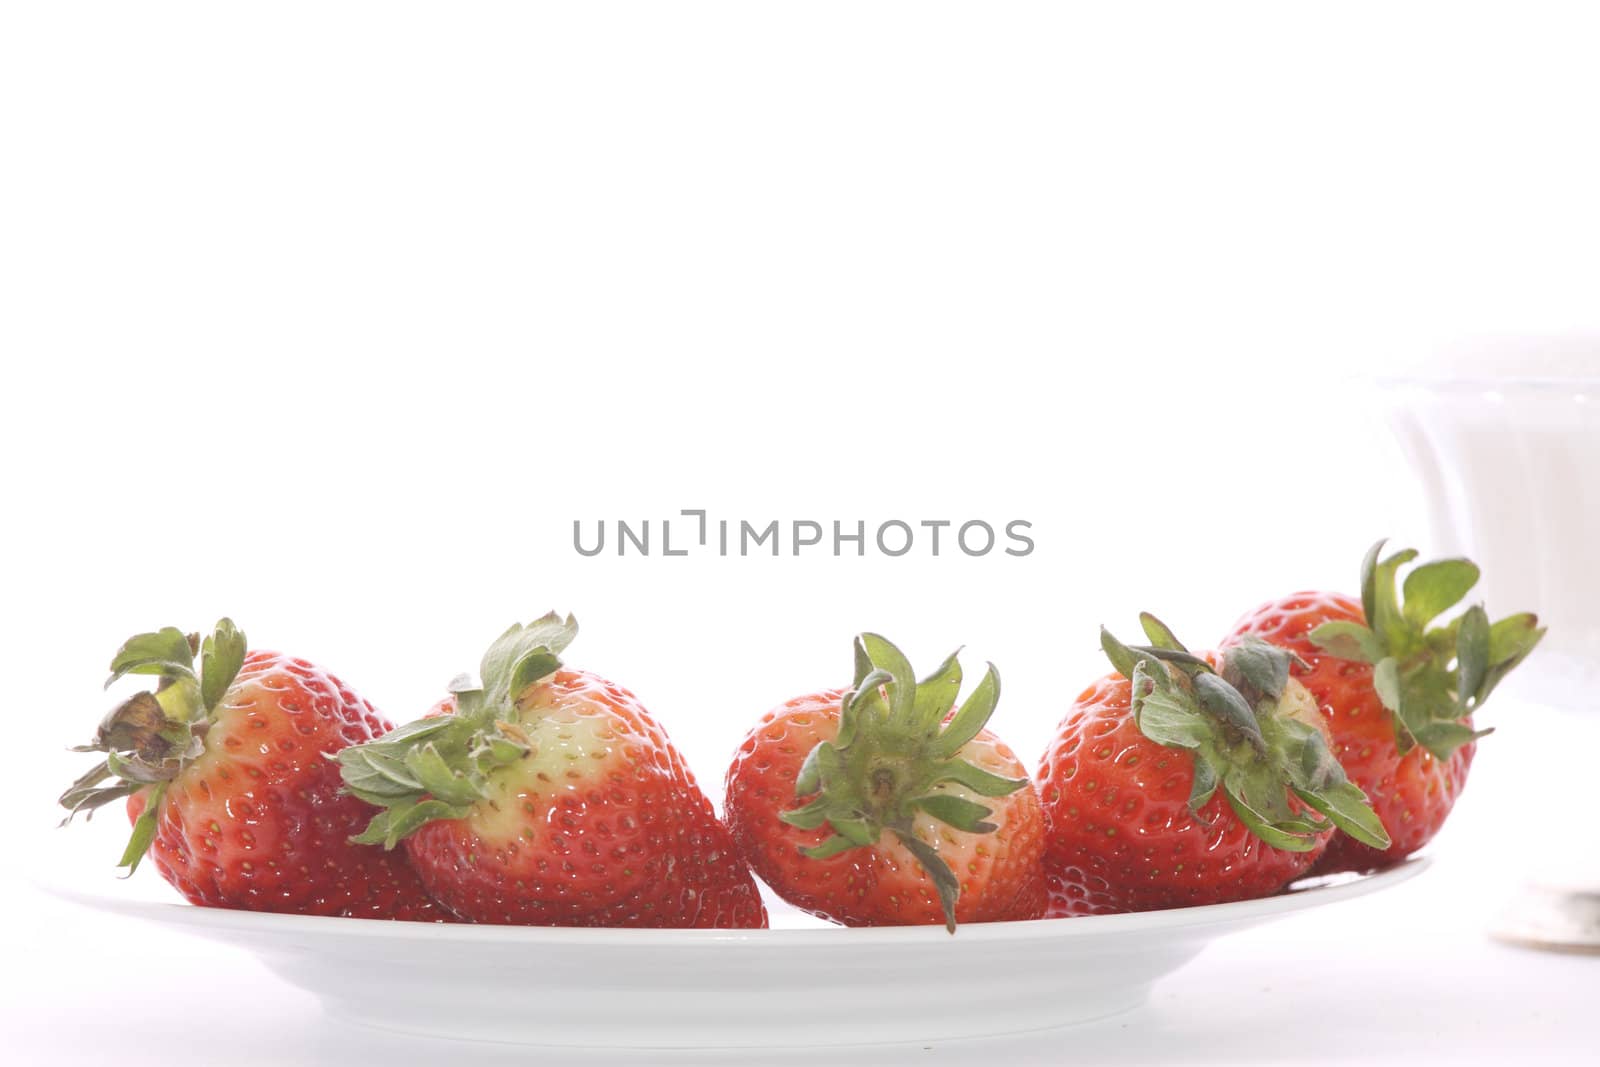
[1203,915]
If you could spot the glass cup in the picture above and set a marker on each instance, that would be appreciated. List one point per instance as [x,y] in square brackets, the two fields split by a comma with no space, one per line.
[1510,466]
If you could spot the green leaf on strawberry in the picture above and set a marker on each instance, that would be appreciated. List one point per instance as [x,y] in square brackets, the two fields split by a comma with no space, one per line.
[1429,676]
[153,736]
[439,768]
[1253,733]
[221,655]
[164,652]
[897,740]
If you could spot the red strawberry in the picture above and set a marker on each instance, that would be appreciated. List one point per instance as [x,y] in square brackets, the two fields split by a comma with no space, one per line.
[547,796]
[1397,695]
[1177,782]
[866,805]
[229,786]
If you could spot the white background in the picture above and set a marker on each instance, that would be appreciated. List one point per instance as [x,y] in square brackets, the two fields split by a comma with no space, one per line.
[333,318]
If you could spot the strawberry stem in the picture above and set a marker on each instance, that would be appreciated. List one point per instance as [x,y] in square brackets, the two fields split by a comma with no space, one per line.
[1430,677]
[438,768]
[890,760]
[150,738]
[1247,737]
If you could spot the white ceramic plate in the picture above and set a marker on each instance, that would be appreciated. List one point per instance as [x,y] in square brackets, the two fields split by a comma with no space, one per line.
[800,983]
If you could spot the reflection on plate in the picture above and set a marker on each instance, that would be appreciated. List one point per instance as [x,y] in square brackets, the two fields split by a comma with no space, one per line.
[797,984]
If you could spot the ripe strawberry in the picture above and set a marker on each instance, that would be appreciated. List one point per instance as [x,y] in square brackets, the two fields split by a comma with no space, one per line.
[1397,696]
[1176,781]
[890,830]
[548,796]
[229,786]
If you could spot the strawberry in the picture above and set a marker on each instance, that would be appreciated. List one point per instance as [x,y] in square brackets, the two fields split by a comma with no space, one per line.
[548,796]
[1183,780]
[861,805]
[1397,692]
[228,784]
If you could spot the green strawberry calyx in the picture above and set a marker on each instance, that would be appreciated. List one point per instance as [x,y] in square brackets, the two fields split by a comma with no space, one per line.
[1254,732]
[893,751]
[1431,678]
[439,768]
[150,738]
